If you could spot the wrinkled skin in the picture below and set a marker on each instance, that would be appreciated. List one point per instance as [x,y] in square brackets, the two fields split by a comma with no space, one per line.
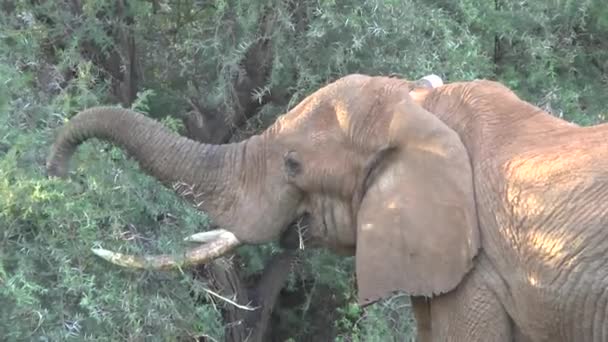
[411,180]
[541,190]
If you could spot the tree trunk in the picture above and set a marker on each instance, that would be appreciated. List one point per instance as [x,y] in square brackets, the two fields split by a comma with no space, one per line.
[497,43]
[266,293]
[212,125]
[120,64]
[242,325]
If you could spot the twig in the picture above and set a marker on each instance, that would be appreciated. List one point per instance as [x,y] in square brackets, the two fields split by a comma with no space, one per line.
[248,308]
[300,232]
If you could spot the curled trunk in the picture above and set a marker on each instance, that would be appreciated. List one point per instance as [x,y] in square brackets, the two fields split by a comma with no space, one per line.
[165,155]
[191,168]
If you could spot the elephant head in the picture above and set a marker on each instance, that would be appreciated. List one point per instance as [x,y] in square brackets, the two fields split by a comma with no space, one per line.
[377,174]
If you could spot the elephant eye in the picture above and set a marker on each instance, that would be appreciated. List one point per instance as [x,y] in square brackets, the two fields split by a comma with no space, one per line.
[293,167]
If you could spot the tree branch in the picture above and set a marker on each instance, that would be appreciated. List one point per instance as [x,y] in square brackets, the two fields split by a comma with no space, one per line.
[210,125]
[242,323]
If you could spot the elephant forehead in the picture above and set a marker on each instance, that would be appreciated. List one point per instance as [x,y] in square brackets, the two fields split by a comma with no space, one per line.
[299,116]
[316,137]
[343,115]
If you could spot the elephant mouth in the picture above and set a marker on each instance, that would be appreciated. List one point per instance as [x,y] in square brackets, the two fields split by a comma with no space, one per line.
[309,231]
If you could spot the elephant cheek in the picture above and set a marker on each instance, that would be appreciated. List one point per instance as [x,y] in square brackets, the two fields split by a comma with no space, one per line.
[262,221]
[334,228]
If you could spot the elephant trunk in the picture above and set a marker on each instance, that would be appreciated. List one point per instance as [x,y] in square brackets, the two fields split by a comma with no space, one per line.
[164,155]
[193,169]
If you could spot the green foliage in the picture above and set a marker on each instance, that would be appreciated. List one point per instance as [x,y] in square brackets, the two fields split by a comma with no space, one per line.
[377,322]
[553,53]
[55,289]
[51,286]
[545,50]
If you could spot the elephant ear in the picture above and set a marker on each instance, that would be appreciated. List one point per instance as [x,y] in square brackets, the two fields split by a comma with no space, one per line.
[417,223]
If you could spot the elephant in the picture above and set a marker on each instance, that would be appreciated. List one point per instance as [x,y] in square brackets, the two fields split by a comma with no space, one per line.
[488,211]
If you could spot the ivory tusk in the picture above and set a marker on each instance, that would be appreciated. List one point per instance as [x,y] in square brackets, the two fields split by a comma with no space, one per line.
[212,235]
[224,243]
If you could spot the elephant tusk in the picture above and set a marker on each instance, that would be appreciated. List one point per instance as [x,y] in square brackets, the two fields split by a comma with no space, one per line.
[224,243]
[212,235]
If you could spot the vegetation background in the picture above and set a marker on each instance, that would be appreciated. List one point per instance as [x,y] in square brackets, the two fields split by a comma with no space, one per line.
[218,71]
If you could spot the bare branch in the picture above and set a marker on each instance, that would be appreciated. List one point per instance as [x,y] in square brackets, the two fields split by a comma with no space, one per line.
[244,307]
[211,125]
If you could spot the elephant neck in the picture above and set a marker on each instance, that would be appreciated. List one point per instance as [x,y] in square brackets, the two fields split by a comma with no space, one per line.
[488,117]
